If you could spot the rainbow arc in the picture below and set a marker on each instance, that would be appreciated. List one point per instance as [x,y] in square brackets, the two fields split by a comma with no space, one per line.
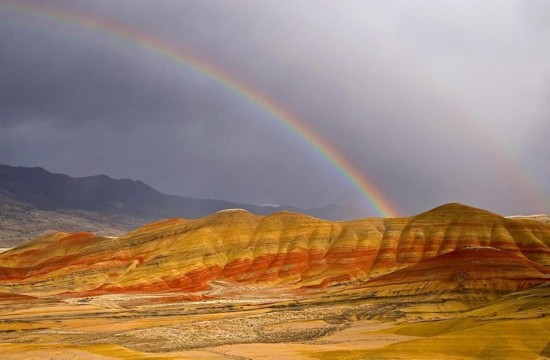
[364,186]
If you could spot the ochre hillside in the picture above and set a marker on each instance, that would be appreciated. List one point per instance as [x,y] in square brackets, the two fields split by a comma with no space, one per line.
[469,269]
[463,246]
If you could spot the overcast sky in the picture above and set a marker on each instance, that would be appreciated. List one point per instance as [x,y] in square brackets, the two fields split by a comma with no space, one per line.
[434,101]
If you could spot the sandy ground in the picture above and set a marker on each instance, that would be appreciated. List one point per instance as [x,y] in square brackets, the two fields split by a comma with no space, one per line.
[360,335]
[73,328]
[133,327]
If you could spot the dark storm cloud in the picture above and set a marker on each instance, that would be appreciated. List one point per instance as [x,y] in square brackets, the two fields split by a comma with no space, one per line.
[434,101]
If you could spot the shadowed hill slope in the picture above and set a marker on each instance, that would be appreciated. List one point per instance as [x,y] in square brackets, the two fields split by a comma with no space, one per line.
[285,249]
[475,269]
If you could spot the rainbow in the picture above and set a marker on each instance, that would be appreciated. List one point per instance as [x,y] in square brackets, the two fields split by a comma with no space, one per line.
[373,196]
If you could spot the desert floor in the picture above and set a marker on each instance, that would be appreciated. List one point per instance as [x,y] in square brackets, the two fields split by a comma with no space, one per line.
[170,326]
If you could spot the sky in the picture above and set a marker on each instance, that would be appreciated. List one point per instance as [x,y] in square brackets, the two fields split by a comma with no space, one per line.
[431,101]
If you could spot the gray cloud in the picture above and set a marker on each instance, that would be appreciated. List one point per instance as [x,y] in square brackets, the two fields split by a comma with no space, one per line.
[434,101]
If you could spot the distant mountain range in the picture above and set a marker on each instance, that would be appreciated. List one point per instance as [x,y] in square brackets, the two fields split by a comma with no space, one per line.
[33,200]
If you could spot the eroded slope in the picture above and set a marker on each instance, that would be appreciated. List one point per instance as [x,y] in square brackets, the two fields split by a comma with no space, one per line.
[281,249]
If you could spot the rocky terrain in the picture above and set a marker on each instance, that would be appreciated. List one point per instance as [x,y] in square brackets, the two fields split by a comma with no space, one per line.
[239,285]
[21,222]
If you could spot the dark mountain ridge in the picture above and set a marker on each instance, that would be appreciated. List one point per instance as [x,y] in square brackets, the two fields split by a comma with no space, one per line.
[44,190]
